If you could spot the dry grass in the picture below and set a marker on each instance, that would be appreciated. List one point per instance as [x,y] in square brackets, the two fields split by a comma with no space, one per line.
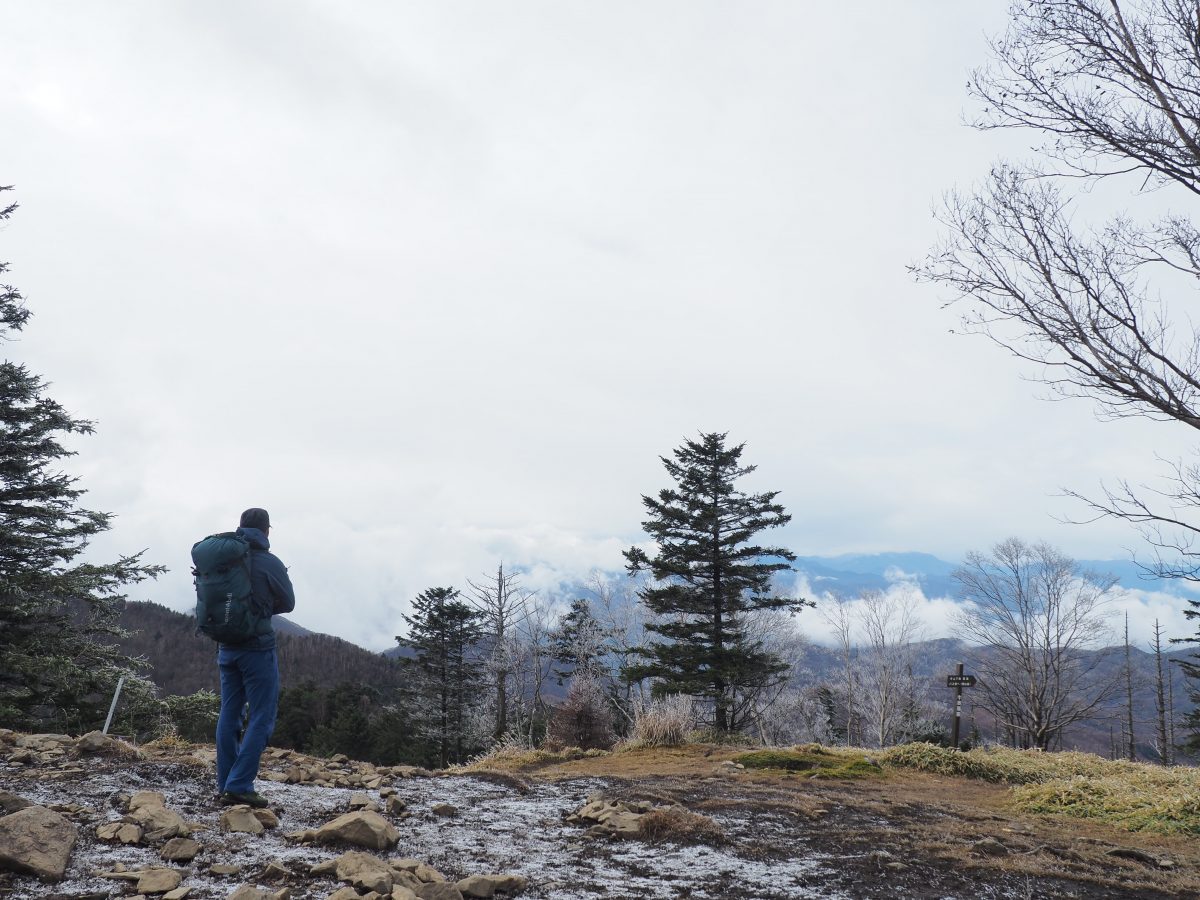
[1001,765]
[1132,796]
[1160,802]
[679,826]
[815,761]
[665,722]
[169,742]
[507,757]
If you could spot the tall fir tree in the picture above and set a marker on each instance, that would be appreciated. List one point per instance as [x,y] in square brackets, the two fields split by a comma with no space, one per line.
[708,576]
[58,615]
[1190,667]
[445,633]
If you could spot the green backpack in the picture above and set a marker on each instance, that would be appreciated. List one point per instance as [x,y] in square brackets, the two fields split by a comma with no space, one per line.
[225,608]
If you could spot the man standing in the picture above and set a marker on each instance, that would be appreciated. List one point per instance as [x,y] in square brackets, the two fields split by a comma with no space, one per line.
[250,670]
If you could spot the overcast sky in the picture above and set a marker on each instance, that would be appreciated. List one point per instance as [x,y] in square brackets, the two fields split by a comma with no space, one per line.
[437,283]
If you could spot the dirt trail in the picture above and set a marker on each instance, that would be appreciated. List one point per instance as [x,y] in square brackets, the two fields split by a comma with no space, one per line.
[784,836]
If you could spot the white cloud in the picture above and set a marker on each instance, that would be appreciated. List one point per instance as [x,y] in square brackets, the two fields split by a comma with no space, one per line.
[438,284]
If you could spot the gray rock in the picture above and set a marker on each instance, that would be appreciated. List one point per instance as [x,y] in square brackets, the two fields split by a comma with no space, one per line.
[989,847]
[94,742]
[180,849]
[438,890]
[487,885]
[10,803]
[38,841]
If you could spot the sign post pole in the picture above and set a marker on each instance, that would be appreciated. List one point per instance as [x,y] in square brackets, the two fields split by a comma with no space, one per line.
[957,703]
[958,681]
[113,708]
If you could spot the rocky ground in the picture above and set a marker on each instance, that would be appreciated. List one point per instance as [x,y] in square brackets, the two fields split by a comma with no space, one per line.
[664,824]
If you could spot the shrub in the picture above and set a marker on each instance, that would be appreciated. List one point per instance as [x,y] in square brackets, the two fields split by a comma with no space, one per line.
[583,719]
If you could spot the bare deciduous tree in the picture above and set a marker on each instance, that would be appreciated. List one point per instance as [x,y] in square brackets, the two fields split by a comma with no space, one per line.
[838,615]
[890,625]
[1032,611]
[1112,87]
[504,605]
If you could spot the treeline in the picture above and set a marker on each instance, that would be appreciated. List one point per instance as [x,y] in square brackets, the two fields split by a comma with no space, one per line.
[181,662]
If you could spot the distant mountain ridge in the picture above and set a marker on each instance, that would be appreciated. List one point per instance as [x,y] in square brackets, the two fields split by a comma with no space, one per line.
[181,661]
[852,573]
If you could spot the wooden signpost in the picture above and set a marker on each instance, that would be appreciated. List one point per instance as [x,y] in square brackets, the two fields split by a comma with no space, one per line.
[958,681]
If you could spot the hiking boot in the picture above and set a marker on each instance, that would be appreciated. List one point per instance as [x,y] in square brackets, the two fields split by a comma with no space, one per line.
[250,798]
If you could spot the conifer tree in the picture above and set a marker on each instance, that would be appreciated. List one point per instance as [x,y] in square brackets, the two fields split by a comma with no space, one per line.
[708,576]
[58,615]
[578,643]
[1191,671]
[445,631]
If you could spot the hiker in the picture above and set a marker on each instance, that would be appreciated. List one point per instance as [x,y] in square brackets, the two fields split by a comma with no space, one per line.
[246,657]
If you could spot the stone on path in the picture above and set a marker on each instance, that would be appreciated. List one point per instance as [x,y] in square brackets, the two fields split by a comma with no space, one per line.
[10,803]
[487,885]
[180,850]
[38,841]
[241,819]
[438,890]
[158,880]
[364,872]
[363,829]
[125,832]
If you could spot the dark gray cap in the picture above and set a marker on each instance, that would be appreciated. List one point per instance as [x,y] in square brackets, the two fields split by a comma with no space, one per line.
[255,517]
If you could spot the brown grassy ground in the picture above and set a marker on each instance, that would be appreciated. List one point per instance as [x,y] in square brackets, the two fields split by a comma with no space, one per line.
[917,832]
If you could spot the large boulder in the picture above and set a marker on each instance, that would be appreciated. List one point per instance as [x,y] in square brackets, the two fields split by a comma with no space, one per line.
[38,841]
[362,829]
[611,818]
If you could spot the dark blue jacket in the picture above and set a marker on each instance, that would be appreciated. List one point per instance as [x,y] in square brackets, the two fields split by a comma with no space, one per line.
[272,588]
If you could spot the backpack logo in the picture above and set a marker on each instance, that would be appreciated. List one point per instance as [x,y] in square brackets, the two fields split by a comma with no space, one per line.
[225,608]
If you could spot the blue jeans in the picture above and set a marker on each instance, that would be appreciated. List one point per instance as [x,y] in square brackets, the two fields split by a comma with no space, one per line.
[247,676]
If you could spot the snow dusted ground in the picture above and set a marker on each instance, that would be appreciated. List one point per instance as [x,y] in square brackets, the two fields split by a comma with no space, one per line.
[500,828]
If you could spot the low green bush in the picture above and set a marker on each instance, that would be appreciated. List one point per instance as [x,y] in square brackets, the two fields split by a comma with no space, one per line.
[814,760]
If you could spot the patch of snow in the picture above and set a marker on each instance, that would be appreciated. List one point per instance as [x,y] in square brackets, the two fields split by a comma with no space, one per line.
[497,829]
